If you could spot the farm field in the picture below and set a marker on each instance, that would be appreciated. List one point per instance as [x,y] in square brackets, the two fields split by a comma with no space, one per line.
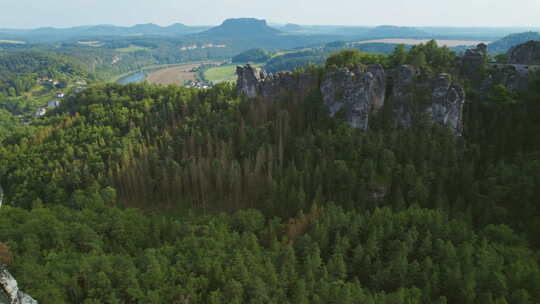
[12,42]
[448,43]
[223,73]
[131,48]
[174,75]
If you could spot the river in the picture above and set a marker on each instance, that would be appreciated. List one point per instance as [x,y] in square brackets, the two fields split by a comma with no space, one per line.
[132,78]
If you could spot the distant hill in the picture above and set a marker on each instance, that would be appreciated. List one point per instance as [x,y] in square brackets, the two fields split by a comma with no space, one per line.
[390,31]
[240,28]
[49,34]
[503,45]
[290,27]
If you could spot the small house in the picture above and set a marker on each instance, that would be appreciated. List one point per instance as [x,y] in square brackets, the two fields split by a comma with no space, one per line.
[40,112]
[53,104]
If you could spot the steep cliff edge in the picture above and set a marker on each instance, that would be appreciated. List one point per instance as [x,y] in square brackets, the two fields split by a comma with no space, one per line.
[514,73]
[254,81]
[440,98]
[360,92]
[357,92]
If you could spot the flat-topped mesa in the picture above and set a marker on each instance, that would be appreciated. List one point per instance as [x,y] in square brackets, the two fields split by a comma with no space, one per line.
[440,98]
[358,93]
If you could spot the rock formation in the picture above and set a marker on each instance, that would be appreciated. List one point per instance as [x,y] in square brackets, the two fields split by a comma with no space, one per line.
[439,98]
[514,74]
[527,53]
[256,82]
[447,103]
[356,92]
[473,63]
[8,285]
[360,92]
[249,80]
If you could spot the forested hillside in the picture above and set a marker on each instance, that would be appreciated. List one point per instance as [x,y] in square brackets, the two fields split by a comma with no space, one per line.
[147,194]
[19,71]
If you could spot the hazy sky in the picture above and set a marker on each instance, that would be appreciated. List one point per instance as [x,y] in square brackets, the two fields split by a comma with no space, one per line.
[63,13]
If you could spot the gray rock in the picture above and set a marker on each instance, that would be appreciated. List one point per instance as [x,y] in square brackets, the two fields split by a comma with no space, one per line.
[249,79]
[447,103]
[403,94]
[8,285]
[256,82]
[527,53]
[358,93]
[472,63]
[440,98]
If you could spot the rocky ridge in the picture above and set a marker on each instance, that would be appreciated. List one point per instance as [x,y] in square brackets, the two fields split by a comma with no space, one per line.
[360,92]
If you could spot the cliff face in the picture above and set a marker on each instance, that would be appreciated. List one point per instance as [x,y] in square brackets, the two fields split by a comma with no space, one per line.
[522,59]
[256,82]
[360,92]
[472,61]
[527,53]
[439,98]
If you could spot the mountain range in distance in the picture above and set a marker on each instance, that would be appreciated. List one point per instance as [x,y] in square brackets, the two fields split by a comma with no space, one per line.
[248,27]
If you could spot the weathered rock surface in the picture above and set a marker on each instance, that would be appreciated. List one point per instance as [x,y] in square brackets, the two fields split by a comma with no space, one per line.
[356,92]
[9,287]
[439,98]
[472,61]
[515,74]
[249,80]
[447,103]
[527,53]
[361,92]
[256,82]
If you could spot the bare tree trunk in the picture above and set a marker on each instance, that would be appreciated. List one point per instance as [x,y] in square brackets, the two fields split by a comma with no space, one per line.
[8,284]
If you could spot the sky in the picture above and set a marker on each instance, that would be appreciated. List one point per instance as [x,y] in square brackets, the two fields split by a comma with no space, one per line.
[66,13]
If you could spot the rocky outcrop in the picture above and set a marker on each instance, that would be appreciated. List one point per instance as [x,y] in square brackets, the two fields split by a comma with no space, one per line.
[527,53]
[513,73]
[513,76]
[9,287]
[249,80]
[403,90]
[447,100]
[358,93]
[473,63]
[440,98]
[254,82]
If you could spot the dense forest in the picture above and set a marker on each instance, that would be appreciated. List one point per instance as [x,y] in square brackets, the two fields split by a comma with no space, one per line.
[149,194]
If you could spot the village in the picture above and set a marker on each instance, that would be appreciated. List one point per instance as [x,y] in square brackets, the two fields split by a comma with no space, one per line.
[59,96]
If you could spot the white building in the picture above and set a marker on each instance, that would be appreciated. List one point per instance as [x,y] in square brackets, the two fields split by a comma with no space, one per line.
[53,104]
[40,112]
